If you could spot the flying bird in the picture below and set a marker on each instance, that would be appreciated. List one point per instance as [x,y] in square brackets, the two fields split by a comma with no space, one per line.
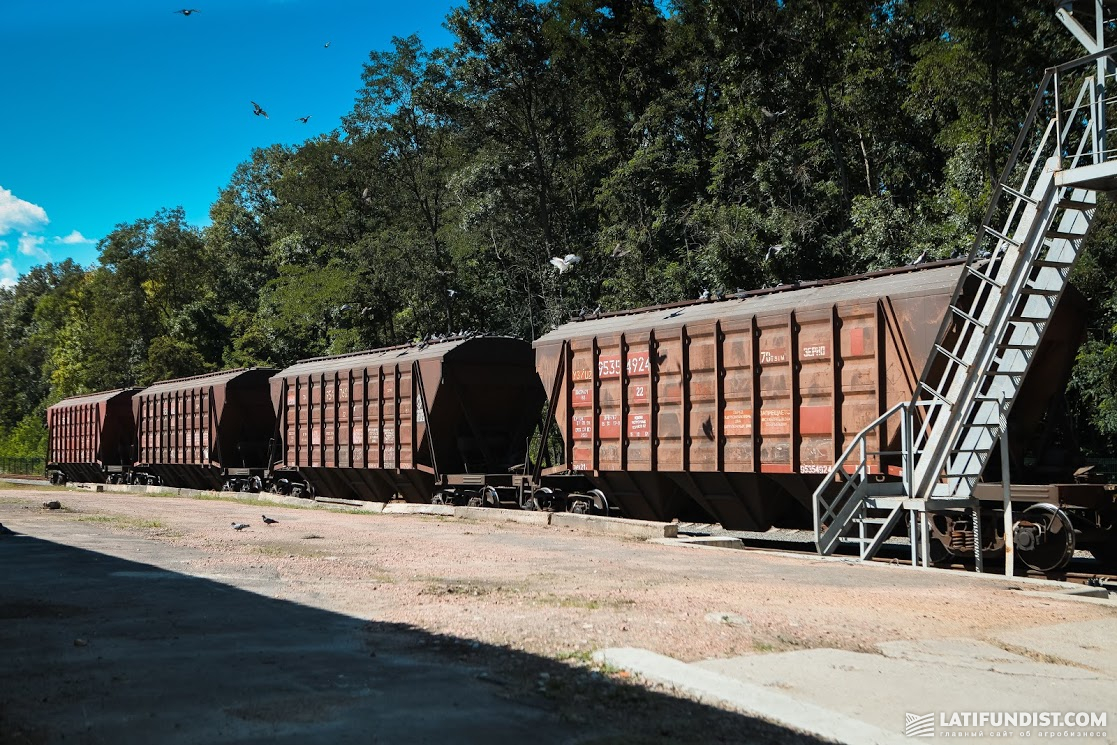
[772,251]
[327,45]
[303,119]
[268,521]
[239,526]
[452,292]
[565,263]
[258,110]
[771,116]
[188,11]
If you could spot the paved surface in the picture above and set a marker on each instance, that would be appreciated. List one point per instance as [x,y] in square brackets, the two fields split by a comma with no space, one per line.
[136,619]
[109,638]
[857,697]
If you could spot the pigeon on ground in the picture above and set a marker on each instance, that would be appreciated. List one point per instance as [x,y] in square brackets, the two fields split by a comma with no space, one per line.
[239,526]
[268,520]
[187,11]
[258,110]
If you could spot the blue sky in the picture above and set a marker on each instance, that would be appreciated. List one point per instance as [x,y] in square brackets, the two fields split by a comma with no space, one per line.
[114,110]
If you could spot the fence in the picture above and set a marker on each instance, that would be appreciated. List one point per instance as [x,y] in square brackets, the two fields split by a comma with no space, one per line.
[22,466]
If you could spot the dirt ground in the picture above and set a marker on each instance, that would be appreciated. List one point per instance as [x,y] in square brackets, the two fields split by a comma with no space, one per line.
[550,593]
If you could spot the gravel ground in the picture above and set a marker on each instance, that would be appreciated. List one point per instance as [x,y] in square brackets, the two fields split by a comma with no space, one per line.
[553,593]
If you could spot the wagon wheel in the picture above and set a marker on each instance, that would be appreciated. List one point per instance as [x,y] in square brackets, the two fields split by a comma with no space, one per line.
[531,501]
[490,497]
[1044,537]
[600,503]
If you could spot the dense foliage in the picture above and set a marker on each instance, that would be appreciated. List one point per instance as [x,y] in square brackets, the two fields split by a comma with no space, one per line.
[721,144]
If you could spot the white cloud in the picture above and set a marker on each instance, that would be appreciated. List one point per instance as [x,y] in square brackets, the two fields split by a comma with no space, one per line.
[8,273]
[32,245]
[73,238]
[18,214]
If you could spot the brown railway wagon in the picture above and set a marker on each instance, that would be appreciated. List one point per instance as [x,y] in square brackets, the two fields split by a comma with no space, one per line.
[202,431]
[742,405]
[408,420]
[91,436]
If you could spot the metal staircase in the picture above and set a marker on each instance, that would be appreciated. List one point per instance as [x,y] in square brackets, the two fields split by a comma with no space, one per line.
[1015,274]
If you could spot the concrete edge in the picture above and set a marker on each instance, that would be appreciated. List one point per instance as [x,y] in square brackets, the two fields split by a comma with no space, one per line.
[407,508]
[1054,588]
[501,515]
[614,525]
[1109,601]
[713,688]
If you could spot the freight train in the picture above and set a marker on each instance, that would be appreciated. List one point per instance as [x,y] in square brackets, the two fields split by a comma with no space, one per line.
[730,410]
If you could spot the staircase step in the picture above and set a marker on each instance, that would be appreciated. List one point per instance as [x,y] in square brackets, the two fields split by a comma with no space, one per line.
[1062,235]
[1040,291]
[1074,204]
[1020,347]
[1053,263]
[886,503]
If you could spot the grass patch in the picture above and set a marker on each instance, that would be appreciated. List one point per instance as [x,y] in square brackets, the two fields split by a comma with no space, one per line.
[45,486]
[577,656]
[122,521]
[583,603]
[468,588]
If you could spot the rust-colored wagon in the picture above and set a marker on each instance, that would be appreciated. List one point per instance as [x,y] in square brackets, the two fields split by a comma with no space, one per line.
[206,432]
[91,438]
[449,420]
[741,405]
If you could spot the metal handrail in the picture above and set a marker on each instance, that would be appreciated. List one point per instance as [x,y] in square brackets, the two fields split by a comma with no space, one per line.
[858,441]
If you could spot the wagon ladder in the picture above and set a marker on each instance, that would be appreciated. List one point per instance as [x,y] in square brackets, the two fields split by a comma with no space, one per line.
[1016,272]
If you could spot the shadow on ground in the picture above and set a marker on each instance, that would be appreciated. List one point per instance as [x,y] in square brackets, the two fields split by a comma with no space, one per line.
[97,649]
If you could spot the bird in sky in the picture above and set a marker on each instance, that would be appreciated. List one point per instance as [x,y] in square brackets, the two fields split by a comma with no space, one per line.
[327,45]
[239,526]
[187,11]
[565,263]
[303,119]
[258,110]
[268,520]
